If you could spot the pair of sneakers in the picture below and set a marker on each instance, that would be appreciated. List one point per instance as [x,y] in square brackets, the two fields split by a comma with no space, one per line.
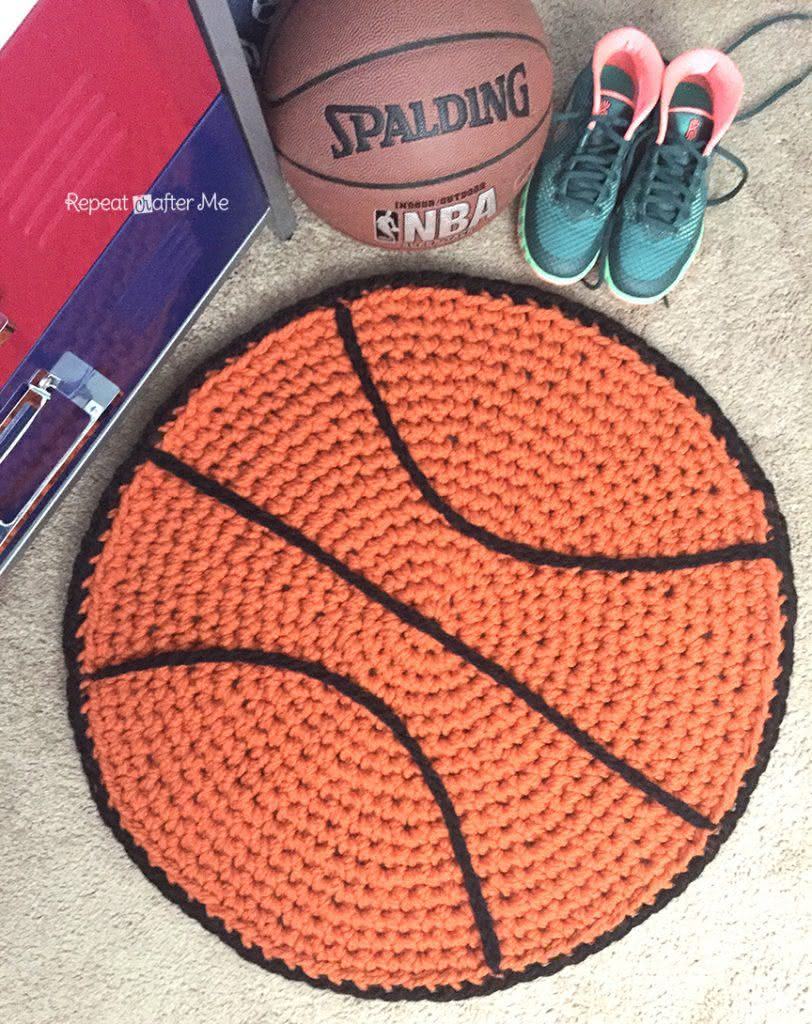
[623,180]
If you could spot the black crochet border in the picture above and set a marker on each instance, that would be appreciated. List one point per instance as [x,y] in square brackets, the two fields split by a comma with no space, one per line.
[91,547]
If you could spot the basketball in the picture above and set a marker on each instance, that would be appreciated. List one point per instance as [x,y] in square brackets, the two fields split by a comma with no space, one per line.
[408,125]
[431,640]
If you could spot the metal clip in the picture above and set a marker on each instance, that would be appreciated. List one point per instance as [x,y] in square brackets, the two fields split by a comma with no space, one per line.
[75,380]
[6,327]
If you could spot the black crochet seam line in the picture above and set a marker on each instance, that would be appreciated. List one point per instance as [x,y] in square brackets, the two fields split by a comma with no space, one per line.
[384,713]
[92,546]
[430,627]
[516,549]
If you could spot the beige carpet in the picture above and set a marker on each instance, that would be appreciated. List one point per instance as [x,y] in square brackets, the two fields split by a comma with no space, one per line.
[85,938]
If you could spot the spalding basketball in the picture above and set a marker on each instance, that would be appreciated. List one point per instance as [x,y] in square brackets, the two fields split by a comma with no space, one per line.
[408,125]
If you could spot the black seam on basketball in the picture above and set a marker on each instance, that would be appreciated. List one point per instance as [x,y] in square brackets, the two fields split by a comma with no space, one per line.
[385,714]
[430,627]
[349,183]
[91,547]
[393,51]
[517,549]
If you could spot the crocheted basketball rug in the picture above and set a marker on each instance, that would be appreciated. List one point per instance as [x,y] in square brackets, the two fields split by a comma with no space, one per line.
[435,636]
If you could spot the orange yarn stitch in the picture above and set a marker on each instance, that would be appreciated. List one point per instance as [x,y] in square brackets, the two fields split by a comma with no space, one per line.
[430,641]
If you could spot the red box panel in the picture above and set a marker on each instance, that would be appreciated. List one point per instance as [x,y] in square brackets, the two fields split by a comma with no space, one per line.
[95,98]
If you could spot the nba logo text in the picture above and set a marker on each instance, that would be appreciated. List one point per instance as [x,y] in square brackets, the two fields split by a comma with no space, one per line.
[387,226]
[419,224]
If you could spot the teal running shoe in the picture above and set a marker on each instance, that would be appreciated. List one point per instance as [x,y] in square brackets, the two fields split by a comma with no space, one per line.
[657,229]
[566,204]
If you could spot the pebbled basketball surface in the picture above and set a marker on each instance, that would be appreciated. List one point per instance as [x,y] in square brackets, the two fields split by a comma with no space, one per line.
[436,635]
[408,125]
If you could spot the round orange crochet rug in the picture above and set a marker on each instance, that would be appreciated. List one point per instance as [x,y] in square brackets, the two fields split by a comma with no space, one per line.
[435,636]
